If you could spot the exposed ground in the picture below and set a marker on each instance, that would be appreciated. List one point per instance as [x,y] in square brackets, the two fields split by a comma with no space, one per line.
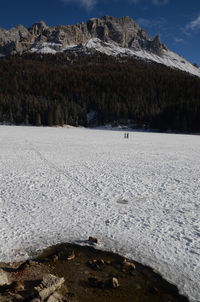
[137,283]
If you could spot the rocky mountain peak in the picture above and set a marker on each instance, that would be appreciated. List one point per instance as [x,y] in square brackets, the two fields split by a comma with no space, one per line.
[123,32]
[157,46]
[37,28]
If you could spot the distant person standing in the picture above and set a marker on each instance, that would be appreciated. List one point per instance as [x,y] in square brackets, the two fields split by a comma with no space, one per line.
[126,135]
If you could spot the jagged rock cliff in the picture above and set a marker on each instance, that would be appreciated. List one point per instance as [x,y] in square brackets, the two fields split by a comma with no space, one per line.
[108,35]
[124,32]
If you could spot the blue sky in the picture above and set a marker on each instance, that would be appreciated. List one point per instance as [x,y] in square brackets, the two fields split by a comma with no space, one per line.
[177,21]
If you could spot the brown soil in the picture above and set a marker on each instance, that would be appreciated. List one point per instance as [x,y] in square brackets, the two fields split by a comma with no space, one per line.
[135,285]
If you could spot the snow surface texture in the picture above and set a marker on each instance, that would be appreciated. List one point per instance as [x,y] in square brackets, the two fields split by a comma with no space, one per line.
[140,196]
[168,58]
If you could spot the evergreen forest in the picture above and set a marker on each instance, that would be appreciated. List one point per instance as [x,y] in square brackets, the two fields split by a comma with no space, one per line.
[62,89]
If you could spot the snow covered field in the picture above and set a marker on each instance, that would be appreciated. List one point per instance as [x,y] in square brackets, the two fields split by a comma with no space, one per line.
[140,196]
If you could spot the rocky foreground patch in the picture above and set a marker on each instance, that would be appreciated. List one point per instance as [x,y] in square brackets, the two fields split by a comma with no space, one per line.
[67,273]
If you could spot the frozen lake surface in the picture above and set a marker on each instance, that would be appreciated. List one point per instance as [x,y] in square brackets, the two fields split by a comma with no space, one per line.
[140,197]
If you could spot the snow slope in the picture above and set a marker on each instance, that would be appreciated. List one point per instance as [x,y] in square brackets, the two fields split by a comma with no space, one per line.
[139,196]
[168,58]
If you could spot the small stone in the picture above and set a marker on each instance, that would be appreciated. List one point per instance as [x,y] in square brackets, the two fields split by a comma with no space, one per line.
[113,282]
[48,286]
[55,297]
[128,266]
[71,256]
[93,240]
[4,278]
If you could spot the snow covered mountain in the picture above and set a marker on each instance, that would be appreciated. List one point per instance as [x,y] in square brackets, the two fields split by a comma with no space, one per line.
[112,36]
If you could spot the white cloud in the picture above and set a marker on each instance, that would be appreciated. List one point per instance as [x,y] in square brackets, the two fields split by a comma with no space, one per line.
[90,4]
[179,40]
[193,25]
[87,4]
[160,2]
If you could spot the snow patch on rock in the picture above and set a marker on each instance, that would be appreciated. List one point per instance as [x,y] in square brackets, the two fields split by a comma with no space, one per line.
[46,48]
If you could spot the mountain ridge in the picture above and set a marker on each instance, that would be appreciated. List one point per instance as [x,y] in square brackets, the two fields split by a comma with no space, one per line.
[124,31]
[112,36]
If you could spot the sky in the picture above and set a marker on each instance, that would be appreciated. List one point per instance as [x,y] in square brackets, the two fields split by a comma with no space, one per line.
[177,21]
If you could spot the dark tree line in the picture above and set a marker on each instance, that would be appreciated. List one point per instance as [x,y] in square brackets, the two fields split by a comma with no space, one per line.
[62,89]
